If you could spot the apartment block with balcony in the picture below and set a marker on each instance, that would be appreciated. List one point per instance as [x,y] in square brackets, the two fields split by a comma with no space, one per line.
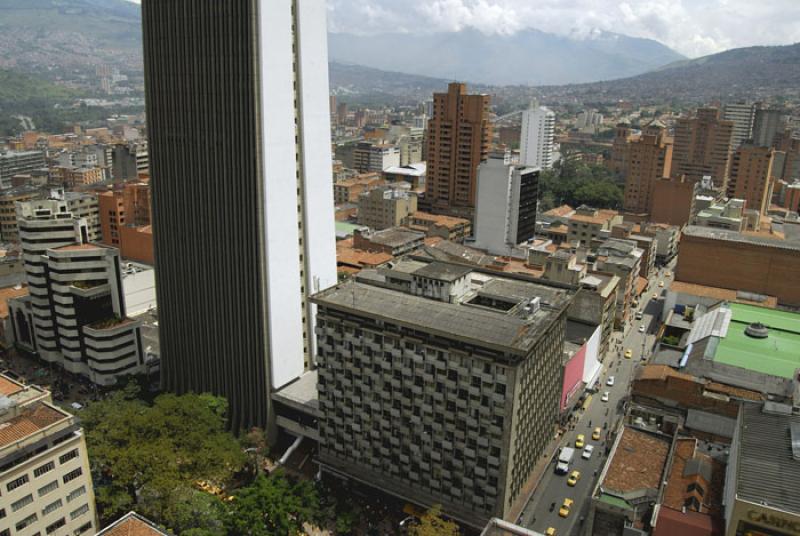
[45,480]
[440,385]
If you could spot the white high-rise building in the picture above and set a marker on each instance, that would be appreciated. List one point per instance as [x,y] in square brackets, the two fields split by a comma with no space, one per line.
[743,115]
[239,140]
[505,211]
[536,143]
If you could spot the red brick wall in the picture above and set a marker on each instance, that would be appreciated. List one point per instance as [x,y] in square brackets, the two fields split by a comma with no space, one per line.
[686,393]
[740,266]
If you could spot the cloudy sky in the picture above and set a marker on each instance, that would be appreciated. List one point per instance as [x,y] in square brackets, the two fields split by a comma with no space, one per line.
[692,27]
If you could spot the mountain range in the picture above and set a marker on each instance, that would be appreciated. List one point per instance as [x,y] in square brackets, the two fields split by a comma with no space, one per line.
[528,57]
[55,39]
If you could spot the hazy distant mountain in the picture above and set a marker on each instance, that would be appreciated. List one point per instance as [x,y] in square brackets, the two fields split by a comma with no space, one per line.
[46,33]
[529,57]
[741,72]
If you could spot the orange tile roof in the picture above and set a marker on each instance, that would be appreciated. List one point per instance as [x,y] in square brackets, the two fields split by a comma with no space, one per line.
[638,462]
[31,419]
[675,492]
[8,388]
[8,293]
[599,220]
[131,524]
[347,255]
[448,221]
[563,210]
[718,293]
[661,372]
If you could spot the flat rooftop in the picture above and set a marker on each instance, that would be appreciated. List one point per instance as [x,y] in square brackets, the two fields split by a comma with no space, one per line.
[777,355]
[734,236]
[394,237]
[301,392]
[508,331]
[767,472]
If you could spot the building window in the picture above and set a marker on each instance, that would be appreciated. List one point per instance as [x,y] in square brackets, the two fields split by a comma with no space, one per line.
[30,520]
[72,475]
[39,471]
[74,494]
[44,490]
[64,458]
[79,512]
[80,530]
[52,507]
[21,503]
[55,526]
[14,484]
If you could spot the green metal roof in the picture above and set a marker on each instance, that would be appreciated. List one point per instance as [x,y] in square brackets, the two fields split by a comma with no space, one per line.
[614,501]
[777,355]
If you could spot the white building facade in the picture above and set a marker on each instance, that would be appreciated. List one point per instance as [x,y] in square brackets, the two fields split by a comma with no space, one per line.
[538,133]
[505,211]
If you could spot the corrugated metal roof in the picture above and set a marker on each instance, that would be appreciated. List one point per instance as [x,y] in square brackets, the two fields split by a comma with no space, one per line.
[767,472]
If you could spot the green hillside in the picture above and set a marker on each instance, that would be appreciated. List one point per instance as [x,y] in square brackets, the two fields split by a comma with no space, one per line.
[20,89]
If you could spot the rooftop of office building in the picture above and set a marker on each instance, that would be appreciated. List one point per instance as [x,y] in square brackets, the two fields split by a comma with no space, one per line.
[769,460]
[745,238]
[500,313]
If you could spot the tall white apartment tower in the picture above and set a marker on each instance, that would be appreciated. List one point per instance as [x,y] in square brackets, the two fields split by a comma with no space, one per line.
[243,225]
[536,143]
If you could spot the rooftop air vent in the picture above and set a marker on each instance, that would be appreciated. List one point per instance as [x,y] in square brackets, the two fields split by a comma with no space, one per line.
[757,330]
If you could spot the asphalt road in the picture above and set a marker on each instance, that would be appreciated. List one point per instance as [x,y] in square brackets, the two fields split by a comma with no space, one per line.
[553,488]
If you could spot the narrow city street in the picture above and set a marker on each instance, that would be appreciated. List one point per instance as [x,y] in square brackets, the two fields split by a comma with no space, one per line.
[542,511]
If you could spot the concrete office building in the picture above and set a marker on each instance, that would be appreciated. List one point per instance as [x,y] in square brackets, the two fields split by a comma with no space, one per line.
[85,206]
[767,124]
[536,140]
[264,205]
[9,232]
[505,214]
[703,147]
[763,468]
[129,160]
[440,385]
[458,140]
[45,479]
[752,176]
[743,117]
[386,206]
[649,158]
[75,313]
[369,157]
[18,162]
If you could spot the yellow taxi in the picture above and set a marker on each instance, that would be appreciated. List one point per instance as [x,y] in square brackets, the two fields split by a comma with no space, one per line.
[596,433]
[628,353]
[661,284]
[564,510]
[655,295]
[573,478]
[580,441]
[550,531]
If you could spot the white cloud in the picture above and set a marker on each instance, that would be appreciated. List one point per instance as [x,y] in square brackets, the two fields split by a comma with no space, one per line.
[692,27]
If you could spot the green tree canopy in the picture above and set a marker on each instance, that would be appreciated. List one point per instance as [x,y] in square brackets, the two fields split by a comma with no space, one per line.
[273,505]
[150,457]
[433,524]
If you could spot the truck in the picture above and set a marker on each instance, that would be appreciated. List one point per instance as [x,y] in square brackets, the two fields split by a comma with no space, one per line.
[564,459]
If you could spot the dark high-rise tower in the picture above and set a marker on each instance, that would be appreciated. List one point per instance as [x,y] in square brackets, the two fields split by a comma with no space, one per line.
[239,130]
